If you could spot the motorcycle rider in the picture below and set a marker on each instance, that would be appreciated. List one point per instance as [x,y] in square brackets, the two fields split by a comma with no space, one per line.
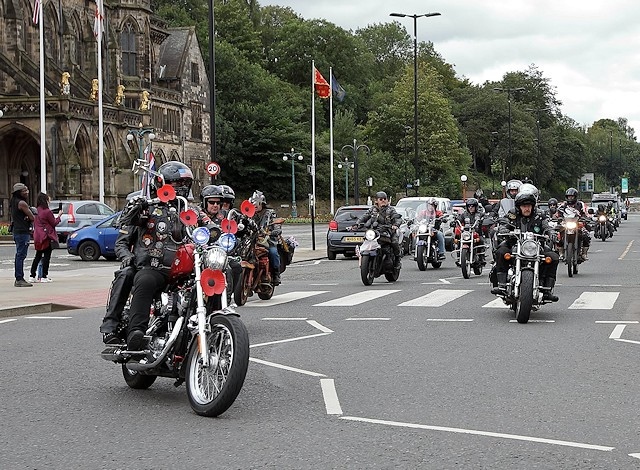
[525,217]
[571,201]
[482,199]
[148,241]
[384,215]
[506,203]
[613,215]
[228,197]
[430,211]
[553,208]
[211,197]
[602,210]
[264,218]
[473,211]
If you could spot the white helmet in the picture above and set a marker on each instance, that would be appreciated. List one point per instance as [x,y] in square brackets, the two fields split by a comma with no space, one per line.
[528,188]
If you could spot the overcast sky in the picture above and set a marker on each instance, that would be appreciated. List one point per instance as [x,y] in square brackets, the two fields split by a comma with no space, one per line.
[589,50]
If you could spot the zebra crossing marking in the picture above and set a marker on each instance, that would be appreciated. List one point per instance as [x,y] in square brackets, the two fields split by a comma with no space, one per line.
[437,298]
[357,298]
[496,303]
[285,298]
[595,301]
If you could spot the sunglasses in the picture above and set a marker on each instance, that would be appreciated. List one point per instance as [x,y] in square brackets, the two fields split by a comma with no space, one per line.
[382,199]
[213,202]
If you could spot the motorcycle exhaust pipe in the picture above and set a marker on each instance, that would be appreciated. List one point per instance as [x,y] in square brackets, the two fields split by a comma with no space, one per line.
[138,367]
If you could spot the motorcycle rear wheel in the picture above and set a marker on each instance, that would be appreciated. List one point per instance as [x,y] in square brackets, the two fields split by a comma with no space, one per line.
[525,301]
[464,262]
[241,291]
[136,380]
[421,257]
[266,295]
[392,276]
[366,271]
[213,390]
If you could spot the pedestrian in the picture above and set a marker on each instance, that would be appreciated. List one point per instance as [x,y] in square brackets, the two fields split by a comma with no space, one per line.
[21,220]
[44,237]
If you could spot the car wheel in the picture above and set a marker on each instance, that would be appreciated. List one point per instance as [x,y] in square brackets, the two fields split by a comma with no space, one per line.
[331,254]
[89,251]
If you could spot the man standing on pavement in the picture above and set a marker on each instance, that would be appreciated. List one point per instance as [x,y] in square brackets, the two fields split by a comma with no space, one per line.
[21,219]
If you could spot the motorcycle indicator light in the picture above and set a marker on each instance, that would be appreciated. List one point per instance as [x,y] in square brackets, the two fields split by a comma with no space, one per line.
[370,235]
[227,241]
[166,193]
[548,260]
[201,235]
[507,256]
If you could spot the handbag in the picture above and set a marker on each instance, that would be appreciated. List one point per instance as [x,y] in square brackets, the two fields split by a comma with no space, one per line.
[53,243]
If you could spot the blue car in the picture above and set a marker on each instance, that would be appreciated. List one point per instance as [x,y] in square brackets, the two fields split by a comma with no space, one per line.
[96,240]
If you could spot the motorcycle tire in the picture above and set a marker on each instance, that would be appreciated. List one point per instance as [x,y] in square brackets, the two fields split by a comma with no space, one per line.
[266,295]
[436,264]
[366,270]
[525,301]
[464,263]
[392,276]
[136,380]
[603,234]
[568,253]
[241,291]
[477,269]
[212,391]
[421,257]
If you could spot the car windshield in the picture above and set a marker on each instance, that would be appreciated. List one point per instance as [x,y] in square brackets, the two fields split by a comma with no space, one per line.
[349,215]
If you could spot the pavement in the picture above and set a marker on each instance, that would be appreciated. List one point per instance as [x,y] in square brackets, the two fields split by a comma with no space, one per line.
[77,289]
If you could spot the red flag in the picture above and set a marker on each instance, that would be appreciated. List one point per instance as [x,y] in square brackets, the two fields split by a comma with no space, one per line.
[322,86]
[98,20]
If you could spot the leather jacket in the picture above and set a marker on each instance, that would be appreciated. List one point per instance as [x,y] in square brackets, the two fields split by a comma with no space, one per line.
[385,216]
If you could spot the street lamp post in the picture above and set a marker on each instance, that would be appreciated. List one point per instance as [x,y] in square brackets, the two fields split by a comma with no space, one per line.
[293,156]
[347,164]
[503,183]
[415,17]
[492,149]
[463,179]
[406,179]
[139,133]
[509,92]
[356,183]
[537,111]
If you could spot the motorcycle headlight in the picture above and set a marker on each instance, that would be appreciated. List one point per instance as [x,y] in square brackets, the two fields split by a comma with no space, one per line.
[422,228]
[228,242]
[370,235]
[201,235]
[529,249]
[602,218]
[466,236]
[216,258]
[572,225]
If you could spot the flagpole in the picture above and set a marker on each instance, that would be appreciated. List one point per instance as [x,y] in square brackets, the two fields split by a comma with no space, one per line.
[313,155]
[100,13]
[331,138]
[43,147]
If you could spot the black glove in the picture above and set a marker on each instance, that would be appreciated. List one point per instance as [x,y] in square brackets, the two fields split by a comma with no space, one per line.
[127,261]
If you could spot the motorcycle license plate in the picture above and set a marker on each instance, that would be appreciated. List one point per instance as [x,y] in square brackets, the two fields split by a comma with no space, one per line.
[353,239]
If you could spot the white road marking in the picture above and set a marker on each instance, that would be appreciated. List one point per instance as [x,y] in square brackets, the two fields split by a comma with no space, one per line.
[635,456]
[535,321]
[292,369]
[516,437]
[48,318]
[437,298]
[9,320]
[617,332]
[448,319]
[279,341]
[284,298]
[358,298]
[595,301]
[624,253]
[627,341]
[317,325]
[605,285]
[497,303]
[331,401]
[325,284]
[366,319]
[617,322]
[284,318]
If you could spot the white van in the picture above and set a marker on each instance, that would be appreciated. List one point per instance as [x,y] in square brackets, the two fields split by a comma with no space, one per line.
[407,204]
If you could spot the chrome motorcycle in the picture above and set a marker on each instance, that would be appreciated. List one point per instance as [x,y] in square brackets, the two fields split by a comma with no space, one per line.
[375,256]
[470,250]
[571,241]
[193,336]
[603,227]
[426,243]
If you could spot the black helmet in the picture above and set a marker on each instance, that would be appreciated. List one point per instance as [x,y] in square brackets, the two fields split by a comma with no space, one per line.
[472,202]
[525,198]
[174,172]
[228,194]
[571,196]
[381,195]
[552,202]
[211,190]
[601,207]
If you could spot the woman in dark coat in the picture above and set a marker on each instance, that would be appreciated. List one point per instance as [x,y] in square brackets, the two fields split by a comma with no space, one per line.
[44,231]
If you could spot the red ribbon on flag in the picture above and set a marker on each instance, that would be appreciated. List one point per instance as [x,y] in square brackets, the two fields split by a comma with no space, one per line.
[321,85]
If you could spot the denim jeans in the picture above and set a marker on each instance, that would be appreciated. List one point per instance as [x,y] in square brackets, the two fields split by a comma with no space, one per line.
[22,246]
[440,237]
[274,259]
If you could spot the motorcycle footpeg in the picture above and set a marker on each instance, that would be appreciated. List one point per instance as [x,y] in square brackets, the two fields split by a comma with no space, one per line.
[113,354]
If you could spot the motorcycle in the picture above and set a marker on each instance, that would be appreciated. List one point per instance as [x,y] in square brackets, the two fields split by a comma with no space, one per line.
[375,256]
[193,336]
[603,228]
[524,292]
[571,241]
[426,243]
[470,250]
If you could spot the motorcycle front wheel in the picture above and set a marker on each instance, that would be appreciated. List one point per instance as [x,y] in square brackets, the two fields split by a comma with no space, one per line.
[421,257]
[525,301]
[464,262]
[366,270]
[569,259]
[603,234]
[241,290]
[212,390]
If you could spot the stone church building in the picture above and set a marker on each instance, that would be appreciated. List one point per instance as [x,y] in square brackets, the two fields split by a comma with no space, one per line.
[154,84]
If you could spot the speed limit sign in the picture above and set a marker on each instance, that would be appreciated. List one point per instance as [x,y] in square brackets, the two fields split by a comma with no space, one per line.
[213,168]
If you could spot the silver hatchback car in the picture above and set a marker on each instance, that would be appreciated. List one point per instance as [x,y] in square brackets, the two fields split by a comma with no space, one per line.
[78,214]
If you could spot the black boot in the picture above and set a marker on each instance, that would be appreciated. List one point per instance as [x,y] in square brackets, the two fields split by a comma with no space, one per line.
[548,293]
[502,284]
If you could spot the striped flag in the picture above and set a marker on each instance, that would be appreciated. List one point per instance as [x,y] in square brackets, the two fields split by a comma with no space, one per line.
[98,21]
[36,11]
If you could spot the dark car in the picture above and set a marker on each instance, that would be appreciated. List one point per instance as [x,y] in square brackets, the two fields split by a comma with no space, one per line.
[78,214]
[96,240]
[341,240]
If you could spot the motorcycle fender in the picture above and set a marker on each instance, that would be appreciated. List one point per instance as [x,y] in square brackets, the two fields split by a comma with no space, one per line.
[421,241]
[369,253]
